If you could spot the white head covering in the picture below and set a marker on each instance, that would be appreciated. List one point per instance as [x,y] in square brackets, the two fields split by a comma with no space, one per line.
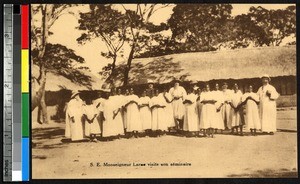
[106,90]
[74,93]
[149,81]
[195,87]
[266,76]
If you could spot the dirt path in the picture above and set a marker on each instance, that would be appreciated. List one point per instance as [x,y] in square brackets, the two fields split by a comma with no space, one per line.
[223,156]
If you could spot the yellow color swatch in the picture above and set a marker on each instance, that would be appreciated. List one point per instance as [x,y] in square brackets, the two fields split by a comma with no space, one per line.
[25,71]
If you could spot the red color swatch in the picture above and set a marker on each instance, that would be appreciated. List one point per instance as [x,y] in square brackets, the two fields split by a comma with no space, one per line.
[25,26]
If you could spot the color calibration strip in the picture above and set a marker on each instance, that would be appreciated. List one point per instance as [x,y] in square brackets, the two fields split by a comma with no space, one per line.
[15,93]
[25,90]
[16,116]
[7,91]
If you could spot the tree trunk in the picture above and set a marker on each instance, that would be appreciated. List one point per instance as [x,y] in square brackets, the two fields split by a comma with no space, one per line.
[42,108]
[128,67]
[113,67]
[37,96]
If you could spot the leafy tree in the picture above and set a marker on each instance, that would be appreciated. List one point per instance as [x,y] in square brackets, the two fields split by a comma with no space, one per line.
[108,24]
[199,27]
[138,23]
[277,24]
[245,32]
[41,55]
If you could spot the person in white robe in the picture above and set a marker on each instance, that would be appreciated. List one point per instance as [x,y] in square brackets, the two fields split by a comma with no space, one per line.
[251,99]
[119,103]
[226,107]
[111,118]
[134,124]
[190,123]
[199,106]
[178,94]
[150,90]
[98,104]
[169,116]
[74,125]
[164,121]
[124,111]
[219,96]
[235,113]
[208,112]
[267,107]
[157,105]
[145,112]
[92,125]
[122,101]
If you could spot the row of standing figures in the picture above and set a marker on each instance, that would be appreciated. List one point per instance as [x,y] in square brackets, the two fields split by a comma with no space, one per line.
[192,112]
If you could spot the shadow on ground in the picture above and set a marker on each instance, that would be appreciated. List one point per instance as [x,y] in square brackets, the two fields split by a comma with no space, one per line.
[41,137]
[268,173]
[47,133]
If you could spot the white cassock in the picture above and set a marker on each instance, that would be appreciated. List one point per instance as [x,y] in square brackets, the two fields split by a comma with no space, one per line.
[208,111]
[74,129]
[99,106]
[199,109]
[145,113]
[169,116]
[178,96]
[110,124]
[122,99]
[132,114]
[191,115]
[163,120]
[236,99]
[226,108]
[252,116]
[219,96]
[118,121]
[267,108]
[92,124]
[157,113]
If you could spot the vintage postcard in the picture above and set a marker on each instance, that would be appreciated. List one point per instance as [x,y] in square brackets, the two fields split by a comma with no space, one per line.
[163,91]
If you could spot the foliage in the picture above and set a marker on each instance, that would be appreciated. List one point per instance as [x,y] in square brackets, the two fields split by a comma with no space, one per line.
[199,27]
[108,24]
[61,60]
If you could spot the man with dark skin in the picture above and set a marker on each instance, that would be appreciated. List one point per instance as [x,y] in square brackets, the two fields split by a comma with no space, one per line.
[150,90]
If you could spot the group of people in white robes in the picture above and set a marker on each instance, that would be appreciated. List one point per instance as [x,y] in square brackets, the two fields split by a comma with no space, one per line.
[190,112]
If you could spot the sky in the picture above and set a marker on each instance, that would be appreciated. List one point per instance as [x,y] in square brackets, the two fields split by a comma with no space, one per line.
[65,32]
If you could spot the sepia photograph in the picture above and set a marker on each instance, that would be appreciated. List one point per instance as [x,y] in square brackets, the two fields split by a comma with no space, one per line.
[163,91]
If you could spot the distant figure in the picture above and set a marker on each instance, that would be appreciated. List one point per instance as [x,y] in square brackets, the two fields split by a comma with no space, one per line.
[74,124]
[251,99]
[236,120]
[164,123]
[157,104]
[178,94]
[220,102]
[267,107]
[191,123]
[121,100]
[208,112]
[92,123]
[117,116]
[150,90]
[226,108]
[111,118]
[134,124]
[145,112]
[124,110]
[199,105]
[169,116]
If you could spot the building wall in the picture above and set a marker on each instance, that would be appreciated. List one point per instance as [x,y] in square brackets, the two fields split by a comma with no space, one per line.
[285,85]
